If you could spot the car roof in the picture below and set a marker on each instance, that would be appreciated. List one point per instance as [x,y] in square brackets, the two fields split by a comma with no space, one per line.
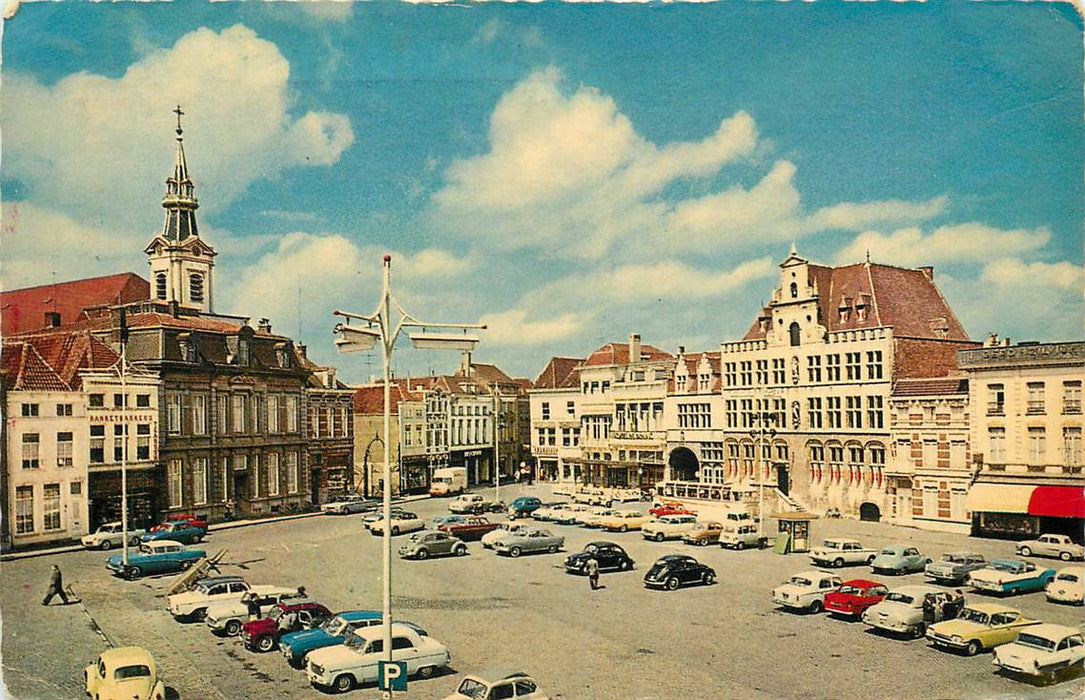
[917,590]
[992,608]
[377,631]
[962,554]
[1009,562]
[675,557]
[814,574]
[841,540]
[1049,630]
[493,675]
[602,543]
[862,583]
[265,588]
[212,580]
[126,655]
[357,615]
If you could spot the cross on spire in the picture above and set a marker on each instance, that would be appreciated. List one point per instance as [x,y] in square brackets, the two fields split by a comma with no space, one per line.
[179,113]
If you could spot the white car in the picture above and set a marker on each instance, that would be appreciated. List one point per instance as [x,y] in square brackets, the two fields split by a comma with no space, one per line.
[503,529]
[345,505]
[596,516]
[668,527]
[901,611]
[401,522]
[551,512]
[344,666]
[1042,650]
[1068,586]
[736,535]
[496,684]
[226,618]
[806,591]
[838,552]
[469,503]
[1059,546]
[111,535]
[194,603]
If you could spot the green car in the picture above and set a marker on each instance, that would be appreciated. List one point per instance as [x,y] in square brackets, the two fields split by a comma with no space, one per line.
[432,543]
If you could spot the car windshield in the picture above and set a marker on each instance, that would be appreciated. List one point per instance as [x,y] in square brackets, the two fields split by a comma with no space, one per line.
[472,688]
[334,626]
[801,581]
[852,590]
[1034,641]
[277,613]
[591,549]
[1004,566]
[900,598]
[137,671]
[829,544]
[980,618]
[355,642]
[954,558]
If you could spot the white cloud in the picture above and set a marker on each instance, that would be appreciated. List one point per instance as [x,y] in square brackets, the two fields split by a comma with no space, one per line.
[102,146]
[1015,273]
[968,242]
[497,29]
[850,216]
[517,327]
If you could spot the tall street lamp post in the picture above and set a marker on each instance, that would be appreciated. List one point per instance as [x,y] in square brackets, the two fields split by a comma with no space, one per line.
[380,326]
[764,426]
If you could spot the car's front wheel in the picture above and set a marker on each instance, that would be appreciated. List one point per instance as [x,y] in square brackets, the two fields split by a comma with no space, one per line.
[659,537]
[708,578]
[267,643]
[233,628]
[623,565]
[186,565]
[623,528]
[106,545]
[672,583]
[427,672]
[134,572]
[514,552]
[838,562]
[1025,551]
[459,550]
[1065,556]
[973,648]
[920,630]
[553,549]
[421,554]
[343,683]
[395,530]
[816,607]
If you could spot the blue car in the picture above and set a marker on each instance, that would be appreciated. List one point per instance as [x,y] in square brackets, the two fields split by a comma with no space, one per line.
[1010,576]
[899,559]
[523,506]
[440,520]
[161,557]
[179,531]
[296,645]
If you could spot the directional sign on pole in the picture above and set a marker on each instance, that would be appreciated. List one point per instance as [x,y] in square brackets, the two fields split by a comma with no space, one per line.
[392,675]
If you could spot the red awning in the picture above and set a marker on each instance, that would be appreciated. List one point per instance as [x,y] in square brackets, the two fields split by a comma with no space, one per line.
[1058,501]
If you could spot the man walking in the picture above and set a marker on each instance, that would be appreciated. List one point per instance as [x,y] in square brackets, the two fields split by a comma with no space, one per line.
[56,587]
[592,568]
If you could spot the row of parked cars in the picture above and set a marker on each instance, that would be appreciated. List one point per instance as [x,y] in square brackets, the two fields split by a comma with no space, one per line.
[1021,645]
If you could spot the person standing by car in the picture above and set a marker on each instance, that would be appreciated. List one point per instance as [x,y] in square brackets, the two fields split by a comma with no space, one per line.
[56,587]
[252,605]
[955,605]
[592,567]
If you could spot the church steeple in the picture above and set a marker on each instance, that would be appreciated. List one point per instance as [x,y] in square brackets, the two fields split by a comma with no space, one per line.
[180,200]
[181,262]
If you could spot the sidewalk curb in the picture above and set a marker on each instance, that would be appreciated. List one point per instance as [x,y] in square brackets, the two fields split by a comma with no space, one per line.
[14,556]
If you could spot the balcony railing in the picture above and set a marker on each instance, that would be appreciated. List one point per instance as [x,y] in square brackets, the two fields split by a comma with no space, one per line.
[996,409]
[1071,407]
[1035,407]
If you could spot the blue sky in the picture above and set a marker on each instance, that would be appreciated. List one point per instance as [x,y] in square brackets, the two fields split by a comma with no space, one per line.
[566,173]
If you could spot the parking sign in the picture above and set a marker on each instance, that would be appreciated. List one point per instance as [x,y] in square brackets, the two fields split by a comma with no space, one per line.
[392,675]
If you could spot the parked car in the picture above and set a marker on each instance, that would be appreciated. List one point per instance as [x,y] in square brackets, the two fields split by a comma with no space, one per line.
[473,503]
[110,535]
[346,505]
[703,533]
[571,514]
[354,662]
[438,520]
[472,528]
[432,543]
[854,597]
[191,519]
[954,567]
[1042,650]
[378,515]
[502,529]
[227,618]
[591,496]
[623,521]
[263,634]
[669,508]
[180,531]
[617,495]
[193,603]
[979,626]
[550,510]
[596,516]
[124,673]
[160,557]
[609,555]
[902,610]
[1068,586]
[669,527]
[806,591]
[496,684]
[839,551]
[1059,546]
[295,646]
[1010,576]
[402,522]
[899,559]
[673,570]
[739,535]
[523,506]
[516,543]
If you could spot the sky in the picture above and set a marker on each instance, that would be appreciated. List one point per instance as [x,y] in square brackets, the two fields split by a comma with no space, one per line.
[567,174]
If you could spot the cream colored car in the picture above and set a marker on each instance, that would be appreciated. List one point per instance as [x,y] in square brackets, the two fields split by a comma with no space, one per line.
[669,527]
[1068,586]
[624,521]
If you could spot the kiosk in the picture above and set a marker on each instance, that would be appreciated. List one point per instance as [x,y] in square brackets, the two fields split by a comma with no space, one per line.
[794,529]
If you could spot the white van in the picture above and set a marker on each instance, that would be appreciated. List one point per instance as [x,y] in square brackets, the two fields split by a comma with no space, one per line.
[739,534]
[448,481]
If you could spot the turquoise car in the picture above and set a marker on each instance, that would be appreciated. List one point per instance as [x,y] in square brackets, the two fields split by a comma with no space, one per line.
[296,645]
[1008,576]
[899,559]
[179,531]
[160,557]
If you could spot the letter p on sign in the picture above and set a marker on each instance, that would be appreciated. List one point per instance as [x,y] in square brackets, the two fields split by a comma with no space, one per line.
[392,675]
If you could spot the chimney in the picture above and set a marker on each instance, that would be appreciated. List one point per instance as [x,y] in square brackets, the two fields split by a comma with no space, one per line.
[465,364]
[52,319]
[681,349]
[634,347]
[264,326]
[928,270]
[300,347]
[1006,342]
[992,341]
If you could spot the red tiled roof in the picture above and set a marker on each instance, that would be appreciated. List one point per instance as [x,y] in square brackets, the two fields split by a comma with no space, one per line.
[369,400]
[53,362]
[24,309]
[908,300]
[618,354]
[931,386]
[558,373]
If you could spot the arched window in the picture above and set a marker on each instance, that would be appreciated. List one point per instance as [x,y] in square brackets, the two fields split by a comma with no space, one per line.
[794,290]
[794,330]
[160,285]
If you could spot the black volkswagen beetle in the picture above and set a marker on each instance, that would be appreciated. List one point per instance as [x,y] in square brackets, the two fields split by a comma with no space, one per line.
[674,570]
[610,556]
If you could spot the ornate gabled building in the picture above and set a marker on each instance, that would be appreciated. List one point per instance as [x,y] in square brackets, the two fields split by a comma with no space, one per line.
[693,414]
[555,420]
[815,371]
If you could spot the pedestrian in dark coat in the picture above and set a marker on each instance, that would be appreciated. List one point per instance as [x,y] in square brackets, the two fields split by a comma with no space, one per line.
[592,567]
[56,587]
[252,605]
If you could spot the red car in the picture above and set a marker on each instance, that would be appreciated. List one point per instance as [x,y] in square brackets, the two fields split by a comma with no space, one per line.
[854,597]
[668,508]
[473,528]
[182,518]
[263,634]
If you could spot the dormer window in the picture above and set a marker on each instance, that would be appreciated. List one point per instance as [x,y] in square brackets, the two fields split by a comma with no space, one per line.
[845,309]
[187,347]
[242,352]
[680,382]
[764,322]
[282,357]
